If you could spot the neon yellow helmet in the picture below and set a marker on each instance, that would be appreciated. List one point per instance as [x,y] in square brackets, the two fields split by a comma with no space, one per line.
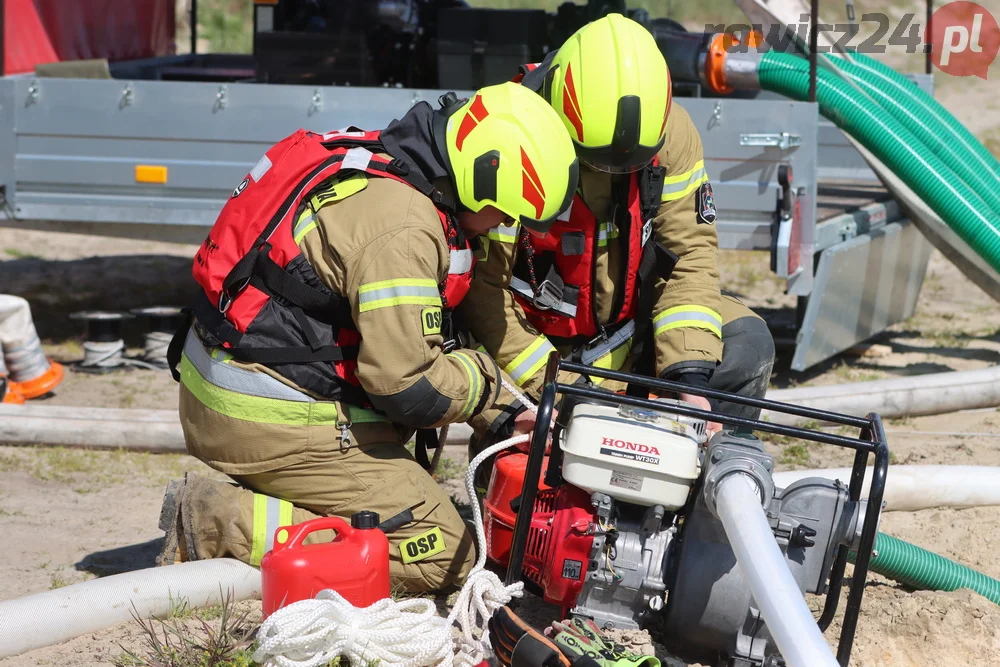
[610,85]
[507,148]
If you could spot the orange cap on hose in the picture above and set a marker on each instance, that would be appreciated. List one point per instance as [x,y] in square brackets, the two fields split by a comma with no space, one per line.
[715,58]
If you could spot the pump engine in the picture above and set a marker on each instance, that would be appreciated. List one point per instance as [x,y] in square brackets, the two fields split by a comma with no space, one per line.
[626,532]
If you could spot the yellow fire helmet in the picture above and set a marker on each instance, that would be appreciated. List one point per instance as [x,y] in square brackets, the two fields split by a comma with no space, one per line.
[507,148]
[610,85]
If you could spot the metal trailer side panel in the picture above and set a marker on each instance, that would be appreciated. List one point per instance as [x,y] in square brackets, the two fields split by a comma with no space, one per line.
[77,144]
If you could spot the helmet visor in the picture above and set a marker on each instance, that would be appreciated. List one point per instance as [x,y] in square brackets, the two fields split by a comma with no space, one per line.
[607,160]
[609,169]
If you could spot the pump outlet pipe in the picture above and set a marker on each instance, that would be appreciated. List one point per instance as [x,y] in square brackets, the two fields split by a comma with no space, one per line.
[798,637]
[48,618]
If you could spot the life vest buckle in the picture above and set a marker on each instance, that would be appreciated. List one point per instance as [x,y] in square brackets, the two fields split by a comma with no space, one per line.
[547,295]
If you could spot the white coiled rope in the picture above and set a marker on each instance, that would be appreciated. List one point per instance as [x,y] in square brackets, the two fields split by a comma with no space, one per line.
[156,344]
[98,354]
[396,633]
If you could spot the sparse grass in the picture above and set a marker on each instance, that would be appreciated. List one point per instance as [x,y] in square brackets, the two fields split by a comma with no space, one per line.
[447,469]
[222,635]
[19,254]
[87,471]
[796,454]
[57,581]
[852,373]
[946,339]
[179,642]
[903,421]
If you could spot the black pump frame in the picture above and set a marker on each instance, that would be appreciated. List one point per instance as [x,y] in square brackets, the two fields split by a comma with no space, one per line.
[872,441]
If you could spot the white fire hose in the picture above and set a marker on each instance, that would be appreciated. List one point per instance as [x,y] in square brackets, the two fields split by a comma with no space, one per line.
[763,565]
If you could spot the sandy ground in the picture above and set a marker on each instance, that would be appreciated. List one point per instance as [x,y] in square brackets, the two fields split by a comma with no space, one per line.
[63,519]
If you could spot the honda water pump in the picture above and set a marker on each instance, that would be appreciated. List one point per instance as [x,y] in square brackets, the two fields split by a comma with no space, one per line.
[623,527]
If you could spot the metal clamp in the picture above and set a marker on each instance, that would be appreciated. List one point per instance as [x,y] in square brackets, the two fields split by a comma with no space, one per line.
[221,101]
[716,119]
[128,96]
[783,140]
[547,296]
[316,105]
[34,91]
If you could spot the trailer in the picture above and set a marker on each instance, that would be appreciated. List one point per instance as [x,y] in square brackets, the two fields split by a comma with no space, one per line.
[152,149]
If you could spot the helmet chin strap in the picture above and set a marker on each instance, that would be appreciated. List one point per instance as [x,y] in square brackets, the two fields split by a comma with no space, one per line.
[450,103]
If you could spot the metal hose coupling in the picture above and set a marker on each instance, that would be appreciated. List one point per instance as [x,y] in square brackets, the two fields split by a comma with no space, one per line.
[731,455]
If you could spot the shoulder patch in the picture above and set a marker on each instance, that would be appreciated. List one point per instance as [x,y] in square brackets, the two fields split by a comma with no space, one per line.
[430,320]
[705,204]
[420,547]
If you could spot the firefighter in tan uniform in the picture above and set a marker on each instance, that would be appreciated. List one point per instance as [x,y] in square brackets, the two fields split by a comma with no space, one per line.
[321,340]
[627,278]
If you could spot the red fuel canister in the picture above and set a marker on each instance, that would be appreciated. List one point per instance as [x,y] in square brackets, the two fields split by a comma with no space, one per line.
[355,563]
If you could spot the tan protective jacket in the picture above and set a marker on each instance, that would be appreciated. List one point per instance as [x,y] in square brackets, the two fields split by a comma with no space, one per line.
[387,231]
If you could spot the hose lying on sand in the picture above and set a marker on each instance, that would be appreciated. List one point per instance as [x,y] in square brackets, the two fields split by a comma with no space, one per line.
[911,488]
[923,570]
[934,393]
[43,619]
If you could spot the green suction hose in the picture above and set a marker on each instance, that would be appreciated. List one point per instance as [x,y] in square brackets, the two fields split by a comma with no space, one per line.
[966,156]
[923,570]
[944,191]
[924,106]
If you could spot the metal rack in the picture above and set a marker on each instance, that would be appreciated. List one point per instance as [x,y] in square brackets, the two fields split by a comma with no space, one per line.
[871,442]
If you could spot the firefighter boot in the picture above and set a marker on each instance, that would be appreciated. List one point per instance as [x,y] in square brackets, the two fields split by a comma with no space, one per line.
[174,543]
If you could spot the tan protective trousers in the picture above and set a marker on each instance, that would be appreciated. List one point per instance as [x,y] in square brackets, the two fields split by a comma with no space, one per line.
[290,473]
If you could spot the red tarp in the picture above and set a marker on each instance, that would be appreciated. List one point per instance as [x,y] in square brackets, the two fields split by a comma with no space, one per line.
[85,29]
[25,42]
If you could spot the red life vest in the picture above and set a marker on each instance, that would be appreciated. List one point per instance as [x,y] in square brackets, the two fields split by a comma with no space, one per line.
[261,299]
[553,278]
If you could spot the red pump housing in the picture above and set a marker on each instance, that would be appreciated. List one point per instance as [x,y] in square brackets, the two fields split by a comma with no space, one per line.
[355,563]
[560,536]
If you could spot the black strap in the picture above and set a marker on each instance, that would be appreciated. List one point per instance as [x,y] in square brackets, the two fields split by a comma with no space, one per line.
[226,333]
[534,79]
[427,438]
[651,181]
[656,262]
[176,346]
[268,277]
